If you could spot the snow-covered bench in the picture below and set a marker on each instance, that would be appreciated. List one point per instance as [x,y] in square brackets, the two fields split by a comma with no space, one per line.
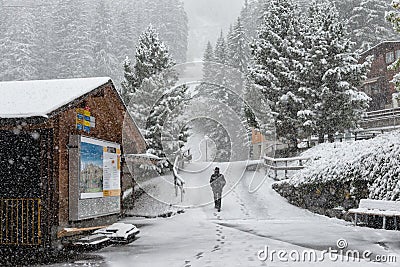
[382,208]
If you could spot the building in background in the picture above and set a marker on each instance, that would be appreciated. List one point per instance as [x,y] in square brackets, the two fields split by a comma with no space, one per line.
[258,143]
[262,146]
[378,85]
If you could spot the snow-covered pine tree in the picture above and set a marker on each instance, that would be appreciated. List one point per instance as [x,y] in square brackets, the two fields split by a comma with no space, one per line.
[245,16]
[208,80]
[209,72]
[256,110]
[315,65]
[157,136]
[218,95]
[149,85]
[251,16]
[238,55]
[151,58]
[366,24]
[331,75]
[221,58]
[44,26]
[208,64]
[223,96]
[125,29]
[277,54]
[19,45]
[105,60]
[70,43]
[127,90]
[3,27]
[65,33]
[238,61]
[170,20]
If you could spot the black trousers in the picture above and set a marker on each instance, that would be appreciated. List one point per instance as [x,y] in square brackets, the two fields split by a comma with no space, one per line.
[217,198]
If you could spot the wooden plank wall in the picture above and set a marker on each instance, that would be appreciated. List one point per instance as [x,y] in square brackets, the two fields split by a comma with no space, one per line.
[109,112]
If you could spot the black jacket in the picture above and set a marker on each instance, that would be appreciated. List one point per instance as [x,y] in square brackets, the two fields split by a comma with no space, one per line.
[217,182]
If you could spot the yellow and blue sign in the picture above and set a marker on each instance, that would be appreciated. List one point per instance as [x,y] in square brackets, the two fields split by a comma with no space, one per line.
[84,120]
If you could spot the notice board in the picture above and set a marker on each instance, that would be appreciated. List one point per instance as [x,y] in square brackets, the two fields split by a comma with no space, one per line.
[94,178]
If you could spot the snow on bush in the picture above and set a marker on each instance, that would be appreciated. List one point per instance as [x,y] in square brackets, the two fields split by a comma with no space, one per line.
[376,161]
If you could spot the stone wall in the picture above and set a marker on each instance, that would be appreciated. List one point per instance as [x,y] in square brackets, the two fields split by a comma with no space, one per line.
[331,198]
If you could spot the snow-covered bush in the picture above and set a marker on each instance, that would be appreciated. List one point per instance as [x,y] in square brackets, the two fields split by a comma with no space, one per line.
[375,162]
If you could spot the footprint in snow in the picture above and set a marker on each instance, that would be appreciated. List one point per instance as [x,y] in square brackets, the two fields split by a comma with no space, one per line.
[216,247]
[199,255]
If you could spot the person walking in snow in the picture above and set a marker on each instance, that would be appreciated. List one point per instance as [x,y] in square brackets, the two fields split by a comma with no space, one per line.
[217,182]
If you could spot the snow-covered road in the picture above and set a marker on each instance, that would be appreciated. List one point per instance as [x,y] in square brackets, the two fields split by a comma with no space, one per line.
[247,224]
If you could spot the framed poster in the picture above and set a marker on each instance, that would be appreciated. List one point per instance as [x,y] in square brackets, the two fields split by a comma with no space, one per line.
[91,172]
[95,178]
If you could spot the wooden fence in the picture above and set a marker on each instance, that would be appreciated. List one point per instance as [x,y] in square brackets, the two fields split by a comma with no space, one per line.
[20,222]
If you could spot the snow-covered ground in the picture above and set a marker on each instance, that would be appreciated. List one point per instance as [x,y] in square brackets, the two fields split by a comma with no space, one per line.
[245,226]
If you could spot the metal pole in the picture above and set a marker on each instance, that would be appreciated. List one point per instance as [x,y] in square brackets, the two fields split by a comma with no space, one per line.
[176,185]
[182,193]
[206,149]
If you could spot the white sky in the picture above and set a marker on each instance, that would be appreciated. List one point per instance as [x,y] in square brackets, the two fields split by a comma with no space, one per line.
[206,19]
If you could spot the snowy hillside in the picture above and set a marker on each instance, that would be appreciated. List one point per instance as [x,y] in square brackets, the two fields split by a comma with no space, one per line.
[376,161]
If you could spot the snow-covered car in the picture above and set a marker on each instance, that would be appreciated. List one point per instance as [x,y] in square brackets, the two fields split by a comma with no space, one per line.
[92,241]
[119,232]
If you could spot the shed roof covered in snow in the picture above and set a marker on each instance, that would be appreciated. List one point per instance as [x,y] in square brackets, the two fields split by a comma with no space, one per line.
[24,99]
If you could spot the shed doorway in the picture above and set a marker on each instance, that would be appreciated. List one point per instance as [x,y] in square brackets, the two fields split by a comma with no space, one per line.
[25,187]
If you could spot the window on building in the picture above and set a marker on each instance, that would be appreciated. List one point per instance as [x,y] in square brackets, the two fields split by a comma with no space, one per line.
[397,54]
[389,57]
[367,89]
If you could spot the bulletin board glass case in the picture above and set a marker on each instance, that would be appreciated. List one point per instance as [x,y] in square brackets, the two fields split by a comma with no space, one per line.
[94,178]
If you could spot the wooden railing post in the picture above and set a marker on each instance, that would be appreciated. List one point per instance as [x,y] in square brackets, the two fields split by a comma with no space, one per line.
[283,165]
[179,182]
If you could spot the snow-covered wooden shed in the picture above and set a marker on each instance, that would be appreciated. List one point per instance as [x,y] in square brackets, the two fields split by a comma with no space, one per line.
[61,143]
